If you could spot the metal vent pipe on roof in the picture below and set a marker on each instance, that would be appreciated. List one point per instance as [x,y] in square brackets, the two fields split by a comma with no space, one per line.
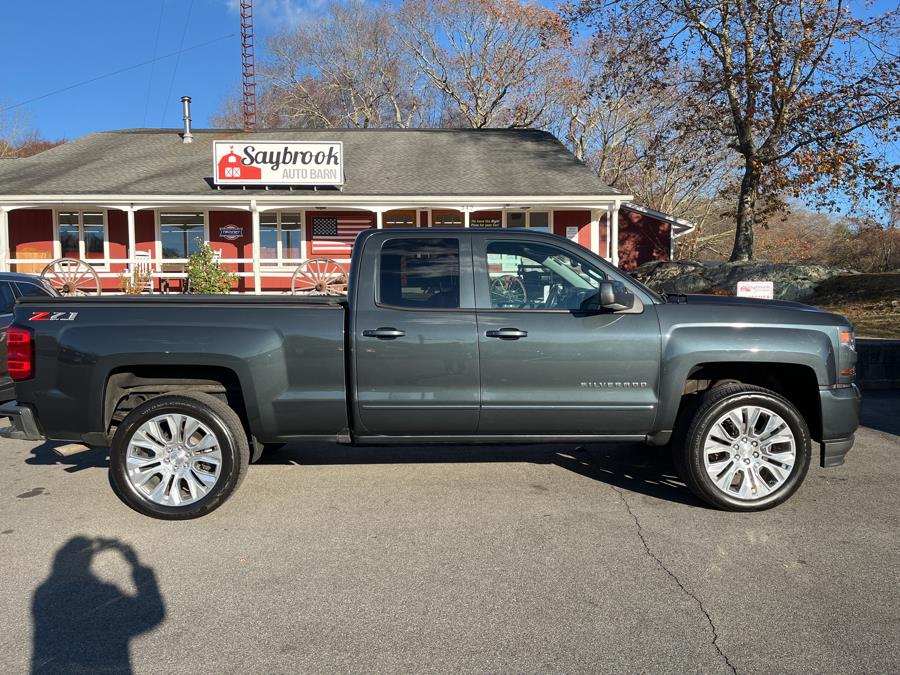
[187,136]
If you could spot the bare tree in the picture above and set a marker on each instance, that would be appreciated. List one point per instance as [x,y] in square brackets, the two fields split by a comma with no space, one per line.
[346,70]
[799,89]
[621,110]
[492,59]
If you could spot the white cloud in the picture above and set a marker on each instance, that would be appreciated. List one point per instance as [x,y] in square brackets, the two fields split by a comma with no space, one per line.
[281,14]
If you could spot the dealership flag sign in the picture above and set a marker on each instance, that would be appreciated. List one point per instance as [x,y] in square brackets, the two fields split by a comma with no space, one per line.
[278,163]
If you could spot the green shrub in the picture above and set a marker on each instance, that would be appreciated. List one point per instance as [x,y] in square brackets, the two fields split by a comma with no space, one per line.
[205,274]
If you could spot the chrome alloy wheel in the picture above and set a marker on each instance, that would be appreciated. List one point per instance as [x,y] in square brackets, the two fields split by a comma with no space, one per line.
[173,460]
[749,452]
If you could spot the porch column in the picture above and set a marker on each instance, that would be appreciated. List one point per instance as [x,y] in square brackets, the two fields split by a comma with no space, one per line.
[257,280]
[303,235]
[132,238]
[4,239]
[595,231]
[609,212]
[466,218]
[614,235]
[379,219]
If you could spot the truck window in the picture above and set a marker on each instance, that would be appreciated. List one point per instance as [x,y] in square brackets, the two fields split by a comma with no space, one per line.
[26,289]
[419,273]
[7,298]
[524,275]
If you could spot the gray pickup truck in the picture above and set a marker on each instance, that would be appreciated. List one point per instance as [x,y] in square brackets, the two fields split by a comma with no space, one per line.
[445,336]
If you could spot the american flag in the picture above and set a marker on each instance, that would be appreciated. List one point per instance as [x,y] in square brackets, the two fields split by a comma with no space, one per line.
[334,237]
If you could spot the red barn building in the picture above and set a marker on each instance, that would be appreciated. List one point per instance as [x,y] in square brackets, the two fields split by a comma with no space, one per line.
[118,197]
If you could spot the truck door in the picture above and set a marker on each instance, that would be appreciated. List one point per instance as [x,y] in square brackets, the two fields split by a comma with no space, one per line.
[547,366]
[415,346]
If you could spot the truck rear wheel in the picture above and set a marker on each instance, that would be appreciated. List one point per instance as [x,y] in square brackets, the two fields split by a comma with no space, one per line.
[178,456]
[746,449]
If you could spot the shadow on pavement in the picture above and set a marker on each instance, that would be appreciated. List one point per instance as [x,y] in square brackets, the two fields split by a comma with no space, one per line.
[84,624]
[881,410]
[635,467]
[89,459]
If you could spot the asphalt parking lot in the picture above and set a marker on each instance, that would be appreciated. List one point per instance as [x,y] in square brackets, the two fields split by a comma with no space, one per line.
[489,559]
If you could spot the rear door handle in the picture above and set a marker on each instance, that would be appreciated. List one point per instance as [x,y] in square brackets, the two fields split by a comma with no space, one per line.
[384,333]
[507,333]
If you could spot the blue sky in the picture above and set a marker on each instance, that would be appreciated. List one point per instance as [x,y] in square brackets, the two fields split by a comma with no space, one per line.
[62,42]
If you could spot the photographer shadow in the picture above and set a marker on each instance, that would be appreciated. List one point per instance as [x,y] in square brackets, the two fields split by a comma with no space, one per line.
[85,624]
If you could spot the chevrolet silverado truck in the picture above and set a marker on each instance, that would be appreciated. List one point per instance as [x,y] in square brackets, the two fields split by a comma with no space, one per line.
[456,336]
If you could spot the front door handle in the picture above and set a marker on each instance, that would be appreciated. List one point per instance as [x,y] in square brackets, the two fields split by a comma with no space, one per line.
[507,333]
[384,333]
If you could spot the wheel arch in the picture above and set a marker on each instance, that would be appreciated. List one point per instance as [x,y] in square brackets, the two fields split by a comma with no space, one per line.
[126,387]
[798,383]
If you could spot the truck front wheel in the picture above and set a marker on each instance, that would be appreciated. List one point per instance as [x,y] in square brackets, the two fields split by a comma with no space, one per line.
[178,456]
[746,449]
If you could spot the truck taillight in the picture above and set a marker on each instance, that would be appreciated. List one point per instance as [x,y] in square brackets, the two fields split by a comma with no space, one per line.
[20,353]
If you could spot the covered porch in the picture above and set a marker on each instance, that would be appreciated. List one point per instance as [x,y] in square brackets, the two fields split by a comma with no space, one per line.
[263,239]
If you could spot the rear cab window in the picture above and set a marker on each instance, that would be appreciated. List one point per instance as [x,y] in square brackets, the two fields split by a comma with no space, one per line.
[419,273]
[25,289]
[7,298]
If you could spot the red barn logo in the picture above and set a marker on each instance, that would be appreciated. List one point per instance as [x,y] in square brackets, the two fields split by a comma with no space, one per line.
[230,168]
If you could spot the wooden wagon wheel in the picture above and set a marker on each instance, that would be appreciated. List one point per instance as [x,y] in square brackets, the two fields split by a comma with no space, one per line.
[319,276]
[70,276]
[508,291]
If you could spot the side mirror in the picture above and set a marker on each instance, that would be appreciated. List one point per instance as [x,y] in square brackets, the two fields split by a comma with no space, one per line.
[613,295]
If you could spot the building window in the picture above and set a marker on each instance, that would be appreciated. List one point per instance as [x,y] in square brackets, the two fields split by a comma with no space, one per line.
[279,236]
[536,220]
[446,219]
[181,234]
[399,219]
[539,220]
[82,235]
[515,219]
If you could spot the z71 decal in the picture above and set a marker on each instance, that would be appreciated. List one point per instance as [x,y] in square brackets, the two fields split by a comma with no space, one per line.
[53,316]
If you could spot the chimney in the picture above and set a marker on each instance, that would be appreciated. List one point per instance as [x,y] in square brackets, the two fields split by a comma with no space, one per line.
[187,136]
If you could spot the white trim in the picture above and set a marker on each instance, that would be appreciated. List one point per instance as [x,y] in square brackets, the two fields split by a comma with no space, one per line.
[132,235]
[337,201]
[4,240]
[594,226]
[683,226]
[303,255]
[614,237]
[254,247]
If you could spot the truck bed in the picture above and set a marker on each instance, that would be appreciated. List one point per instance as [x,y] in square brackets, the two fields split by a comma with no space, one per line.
[281,353]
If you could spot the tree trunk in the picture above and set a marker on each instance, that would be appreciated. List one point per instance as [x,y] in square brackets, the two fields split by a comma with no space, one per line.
[743,235]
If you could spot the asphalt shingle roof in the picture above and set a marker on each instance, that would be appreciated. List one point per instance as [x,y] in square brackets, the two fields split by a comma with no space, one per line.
[516,162]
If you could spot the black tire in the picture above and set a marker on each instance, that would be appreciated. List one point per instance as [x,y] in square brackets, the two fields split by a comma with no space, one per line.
[228,431]
[688,449]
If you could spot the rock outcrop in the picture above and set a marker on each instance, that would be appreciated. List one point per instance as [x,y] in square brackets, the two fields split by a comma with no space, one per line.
[791,282]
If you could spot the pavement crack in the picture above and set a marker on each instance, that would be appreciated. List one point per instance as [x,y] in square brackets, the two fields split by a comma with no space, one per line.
[674,577]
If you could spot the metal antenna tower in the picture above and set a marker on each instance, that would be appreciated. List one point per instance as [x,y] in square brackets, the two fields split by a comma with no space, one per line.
[248,68]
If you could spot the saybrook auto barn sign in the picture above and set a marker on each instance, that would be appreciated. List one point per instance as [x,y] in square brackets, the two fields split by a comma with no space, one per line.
[278,163]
